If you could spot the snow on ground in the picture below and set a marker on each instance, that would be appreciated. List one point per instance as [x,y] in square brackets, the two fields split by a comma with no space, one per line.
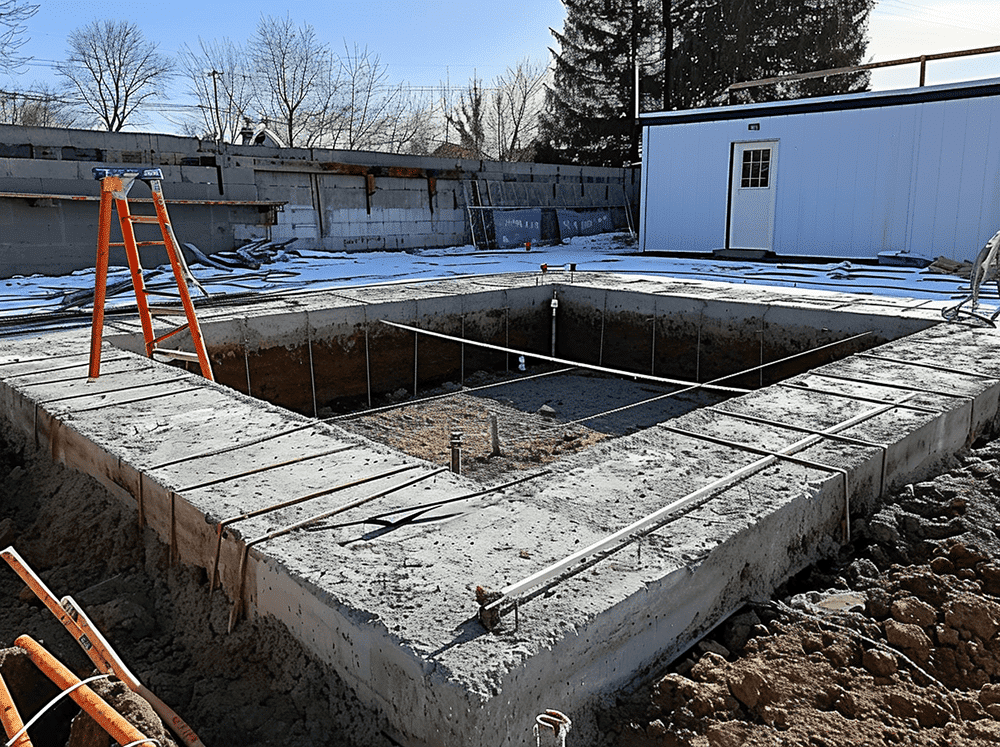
[307,269]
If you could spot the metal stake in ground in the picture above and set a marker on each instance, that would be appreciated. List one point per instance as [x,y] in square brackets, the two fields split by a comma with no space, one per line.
[495,436]
[456,452]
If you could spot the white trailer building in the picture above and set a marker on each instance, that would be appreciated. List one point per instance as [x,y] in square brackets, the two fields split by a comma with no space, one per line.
[910,172]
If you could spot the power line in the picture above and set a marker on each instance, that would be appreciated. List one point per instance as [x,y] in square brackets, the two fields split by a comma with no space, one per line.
[913,12]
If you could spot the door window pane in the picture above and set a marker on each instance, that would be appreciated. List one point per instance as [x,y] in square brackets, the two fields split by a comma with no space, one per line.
[756,168]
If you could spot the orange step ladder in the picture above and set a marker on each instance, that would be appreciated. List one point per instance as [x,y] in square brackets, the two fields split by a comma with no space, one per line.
[115,186]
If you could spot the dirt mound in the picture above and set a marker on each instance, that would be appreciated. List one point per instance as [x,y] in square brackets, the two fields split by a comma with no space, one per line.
[896,642]
[257,686]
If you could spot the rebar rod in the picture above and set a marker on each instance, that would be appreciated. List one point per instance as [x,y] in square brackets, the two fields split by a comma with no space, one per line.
[707,385]
[265,468]
[931,366]
[553,359]
[626,534]
[101,392]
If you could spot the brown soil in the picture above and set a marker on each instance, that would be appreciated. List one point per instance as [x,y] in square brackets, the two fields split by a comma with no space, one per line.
[898,642]
[424,431]
[254,687]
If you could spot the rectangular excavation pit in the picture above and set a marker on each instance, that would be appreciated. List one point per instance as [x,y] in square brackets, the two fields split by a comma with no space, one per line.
[386,593]
[337,362]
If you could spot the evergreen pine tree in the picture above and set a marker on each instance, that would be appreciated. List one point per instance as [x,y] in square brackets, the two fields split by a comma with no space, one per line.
[715,43]
[729,41]
[590,105]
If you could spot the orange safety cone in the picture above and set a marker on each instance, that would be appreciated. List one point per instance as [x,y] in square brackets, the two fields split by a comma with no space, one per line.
[107,717]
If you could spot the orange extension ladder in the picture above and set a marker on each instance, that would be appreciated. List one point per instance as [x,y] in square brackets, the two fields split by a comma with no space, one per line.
[115,186]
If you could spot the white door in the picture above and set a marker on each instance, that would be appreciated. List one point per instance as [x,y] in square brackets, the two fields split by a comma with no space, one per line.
[751,196]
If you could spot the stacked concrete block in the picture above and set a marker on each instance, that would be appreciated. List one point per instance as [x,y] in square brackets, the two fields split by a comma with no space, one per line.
[417,202]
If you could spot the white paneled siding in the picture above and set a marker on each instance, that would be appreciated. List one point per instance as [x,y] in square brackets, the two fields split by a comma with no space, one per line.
[913,171]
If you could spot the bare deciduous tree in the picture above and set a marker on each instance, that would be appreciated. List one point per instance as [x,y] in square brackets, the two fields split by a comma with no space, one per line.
[412,129]
[312,97]
[219,79]
[112,72]
[517,100]
[39,107]
[370,113]
[13,14]
[468,117]
[501,121]
[294,70]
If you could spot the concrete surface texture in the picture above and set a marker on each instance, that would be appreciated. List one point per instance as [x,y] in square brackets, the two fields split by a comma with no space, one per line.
[394,611]
[221,196]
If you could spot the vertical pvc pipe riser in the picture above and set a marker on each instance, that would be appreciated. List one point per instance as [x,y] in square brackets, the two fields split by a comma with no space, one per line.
[368,363]
[506,320]
[604,313]
[652,344]
[246,353]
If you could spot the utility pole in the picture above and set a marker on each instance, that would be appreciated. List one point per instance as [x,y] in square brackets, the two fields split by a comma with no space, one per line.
[633,151]
[668,52]
[218,117]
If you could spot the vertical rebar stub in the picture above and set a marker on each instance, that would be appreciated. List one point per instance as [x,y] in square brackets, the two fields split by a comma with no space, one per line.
[456,452]
[551,727]
[495,436]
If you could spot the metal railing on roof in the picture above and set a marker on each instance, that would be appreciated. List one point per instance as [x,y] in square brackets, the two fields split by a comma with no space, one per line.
[727,94]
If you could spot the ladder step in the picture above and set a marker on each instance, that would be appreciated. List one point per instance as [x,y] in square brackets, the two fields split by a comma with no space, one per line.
[144,219]
[162,294]
[166,311]
[181,355]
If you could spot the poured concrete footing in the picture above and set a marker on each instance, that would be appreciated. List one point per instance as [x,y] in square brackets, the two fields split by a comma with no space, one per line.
[391,606]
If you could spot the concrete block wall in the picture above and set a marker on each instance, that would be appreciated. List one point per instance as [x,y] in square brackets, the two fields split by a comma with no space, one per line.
[329,200]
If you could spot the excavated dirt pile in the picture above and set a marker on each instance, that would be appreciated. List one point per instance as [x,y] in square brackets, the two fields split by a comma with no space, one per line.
[897,642]
[254,687]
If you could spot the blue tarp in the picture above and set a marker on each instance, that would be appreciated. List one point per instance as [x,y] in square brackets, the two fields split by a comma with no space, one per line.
[584,223]
[514,227]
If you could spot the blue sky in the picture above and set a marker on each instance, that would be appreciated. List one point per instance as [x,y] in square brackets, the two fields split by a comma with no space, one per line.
[426,42]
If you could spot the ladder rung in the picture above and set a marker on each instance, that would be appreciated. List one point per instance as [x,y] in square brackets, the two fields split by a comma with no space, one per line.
[166,311]
[182,355]
[144,219]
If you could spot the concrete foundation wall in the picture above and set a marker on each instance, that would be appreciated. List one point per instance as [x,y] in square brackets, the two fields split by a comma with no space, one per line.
[326,200]
[396,616]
